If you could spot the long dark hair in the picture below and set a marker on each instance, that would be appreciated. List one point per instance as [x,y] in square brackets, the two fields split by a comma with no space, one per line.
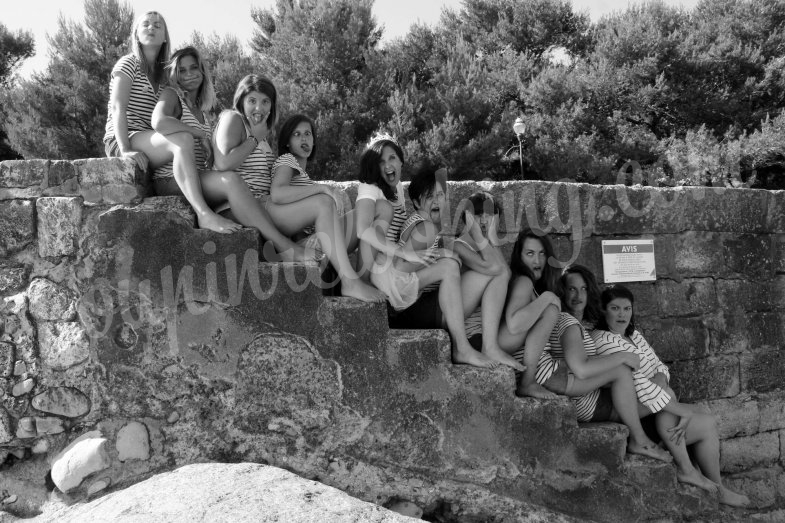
[371,173]
[260,84]
[592,313]
[549,279]
[610,293]
[287,129]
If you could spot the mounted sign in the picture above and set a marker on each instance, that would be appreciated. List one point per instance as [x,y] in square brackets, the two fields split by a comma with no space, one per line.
[628,260]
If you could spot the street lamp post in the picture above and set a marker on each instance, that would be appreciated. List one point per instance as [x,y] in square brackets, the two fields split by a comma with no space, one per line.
[519,127]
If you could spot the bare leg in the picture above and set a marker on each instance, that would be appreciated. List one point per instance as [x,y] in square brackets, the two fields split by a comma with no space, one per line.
[446,271]
[535,342]
[320,211]
[702,433]
[685,470]
[229,186]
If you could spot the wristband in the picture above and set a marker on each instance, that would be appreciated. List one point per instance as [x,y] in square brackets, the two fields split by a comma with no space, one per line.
[255,141]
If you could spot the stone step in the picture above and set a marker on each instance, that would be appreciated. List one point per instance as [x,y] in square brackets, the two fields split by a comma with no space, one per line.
[605,442]
[417,348]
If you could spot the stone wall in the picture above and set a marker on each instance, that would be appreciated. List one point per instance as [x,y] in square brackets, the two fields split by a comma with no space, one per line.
[161,345]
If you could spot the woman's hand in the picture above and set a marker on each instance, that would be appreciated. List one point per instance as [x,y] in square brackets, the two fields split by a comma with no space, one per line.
[139,157]
[679,432]
[551,299]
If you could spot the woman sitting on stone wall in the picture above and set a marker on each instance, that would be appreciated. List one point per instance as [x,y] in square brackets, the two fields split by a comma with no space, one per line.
[600,387]
[325,226]
[136,82]
[678,424]
[183,107]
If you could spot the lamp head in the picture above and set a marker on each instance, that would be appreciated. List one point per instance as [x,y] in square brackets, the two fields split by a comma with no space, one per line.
[519,126]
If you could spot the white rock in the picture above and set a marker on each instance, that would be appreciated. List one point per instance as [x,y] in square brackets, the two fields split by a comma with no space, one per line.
[84,456]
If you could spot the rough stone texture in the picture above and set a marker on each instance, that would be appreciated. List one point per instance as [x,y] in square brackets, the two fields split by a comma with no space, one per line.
[62,401]
[715,377]
[83,456]
[677,338]
[17,225]
[748,254]
[6,432]
[109,180]
[690,297]
[772,411]
[12,278]
[743,295]
[7,357]
[226,492]
[763,370]
[59,221]
[23,173]
[63,345]
[738,416]
[748,452]
[133,442]
[50,301]
[23,387]
[25,428]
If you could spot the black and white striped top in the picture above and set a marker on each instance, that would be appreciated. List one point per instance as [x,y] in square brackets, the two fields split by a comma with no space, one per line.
[188,118]
[553,356]
[256,169]
[430,255]
[649,393]
[300,178]
[373,192]
[141,101]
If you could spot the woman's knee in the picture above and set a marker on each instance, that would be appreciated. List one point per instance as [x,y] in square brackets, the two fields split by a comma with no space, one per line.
[324,203]
[183,141]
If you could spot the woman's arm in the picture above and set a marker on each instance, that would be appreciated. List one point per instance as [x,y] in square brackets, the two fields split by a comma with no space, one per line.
[282,192]
[521,312]
[372,229]
[167,114]
[585,367]
[118,103]
[232,145]
[482,262]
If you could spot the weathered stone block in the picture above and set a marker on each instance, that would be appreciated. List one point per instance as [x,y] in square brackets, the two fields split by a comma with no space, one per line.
[175,207]
[762,371]
[6,433]
[778,292]
[748,254]
[716,377]
[778,248]
[12,279]
[23,173]
[746,452]
[49,425]
[62,401]
[7,356]
[759,485]
[133,442]
[59,222]
[17,225]
[676,338]
[20,367]
[775,220]
[63,345]
[84,456]
[687,255]
[690,297]
[744,295]
[738,416]
[50,301]
[93,172]
[772,411]
[61,172]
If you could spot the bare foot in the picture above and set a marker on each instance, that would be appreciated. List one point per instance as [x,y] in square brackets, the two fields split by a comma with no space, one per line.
[732,499]
[496,353]
[535,390]
[217,223]
[299,253]
[695,478]
[651,450]
[472,357]
[356,288]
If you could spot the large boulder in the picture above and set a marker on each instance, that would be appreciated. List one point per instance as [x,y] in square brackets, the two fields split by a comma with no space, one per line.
[225,492]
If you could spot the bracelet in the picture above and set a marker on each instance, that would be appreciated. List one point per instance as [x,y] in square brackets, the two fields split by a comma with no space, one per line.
[256,142]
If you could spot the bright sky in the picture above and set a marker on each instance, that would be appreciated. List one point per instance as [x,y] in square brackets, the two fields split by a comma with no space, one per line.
[233,17]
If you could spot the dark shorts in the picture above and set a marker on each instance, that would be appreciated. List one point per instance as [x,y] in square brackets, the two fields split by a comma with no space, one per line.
[604,408]
[425,313]
[476,342]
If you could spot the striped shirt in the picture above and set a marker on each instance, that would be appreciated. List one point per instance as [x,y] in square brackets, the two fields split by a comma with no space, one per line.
[256,169]
[373,192]
[300,178]
[188,118]
[431,254]
[649,393]
[141,101]
[553,356]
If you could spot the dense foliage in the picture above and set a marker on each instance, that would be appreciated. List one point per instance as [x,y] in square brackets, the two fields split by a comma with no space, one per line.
[653,94]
